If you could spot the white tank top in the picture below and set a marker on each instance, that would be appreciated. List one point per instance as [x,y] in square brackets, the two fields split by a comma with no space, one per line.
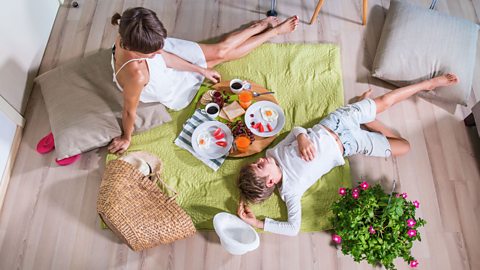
[174,89]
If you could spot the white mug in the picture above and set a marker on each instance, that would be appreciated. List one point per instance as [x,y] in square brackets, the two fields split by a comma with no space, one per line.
[235,90]
[212,107]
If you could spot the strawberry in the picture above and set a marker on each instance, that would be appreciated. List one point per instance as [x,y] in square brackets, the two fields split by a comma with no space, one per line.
[219,136]
[269,127]
[261,128]
[217,132]
[222,143]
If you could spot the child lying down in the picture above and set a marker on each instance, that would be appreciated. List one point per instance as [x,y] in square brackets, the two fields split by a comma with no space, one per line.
[305,155]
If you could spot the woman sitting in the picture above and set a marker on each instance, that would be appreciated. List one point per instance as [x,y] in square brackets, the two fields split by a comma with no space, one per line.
[149,67]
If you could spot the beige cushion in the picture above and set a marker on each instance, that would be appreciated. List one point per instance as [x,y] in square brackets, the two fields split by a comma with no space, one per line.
[418,44]
[84,106]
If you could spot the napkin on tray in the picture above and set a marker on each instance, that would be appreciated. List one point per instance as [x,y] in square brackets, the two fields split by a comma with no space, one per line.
[184,140]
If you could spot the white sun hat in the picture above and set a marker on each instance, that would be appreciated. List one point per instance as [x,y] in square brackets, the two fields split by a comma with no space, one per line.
[236,236]
[145,162]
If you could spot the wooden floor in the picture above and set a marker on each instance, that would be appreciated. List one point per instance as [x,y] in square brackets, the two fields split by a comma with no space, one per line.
[49,216]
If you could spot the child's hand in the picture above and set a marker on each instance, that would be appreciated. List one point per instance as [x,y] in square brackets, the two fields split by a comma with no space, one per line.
[246,214]
[306,148]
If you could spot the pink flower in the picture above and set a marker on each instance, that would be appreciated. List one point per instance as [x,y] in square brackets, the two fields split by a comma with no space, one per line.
[404,195]
[342,191]
[355,190]
[355,195]
[411,222]
[398,195]
[364,185]
[414,263]
[336,238]
[371,230]
[416,203]
[412,233]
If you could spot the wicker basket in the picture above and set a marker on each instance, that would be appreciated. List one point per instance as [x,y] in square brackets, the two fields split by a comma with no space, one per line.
[137,211]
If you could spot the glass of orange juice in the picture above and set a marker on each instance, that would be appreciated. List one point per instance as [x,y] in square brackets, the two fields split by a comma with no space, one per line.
[242,142]
[245,99]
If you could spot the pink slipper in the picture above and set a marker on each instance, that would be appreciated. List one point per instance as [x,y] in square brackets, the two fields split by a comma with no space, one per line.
[67,161]
[46,144]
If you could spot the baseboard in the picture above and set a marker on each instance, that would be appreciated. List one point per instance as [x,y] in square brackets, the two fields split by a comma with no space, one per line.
[11,113]
[10,161]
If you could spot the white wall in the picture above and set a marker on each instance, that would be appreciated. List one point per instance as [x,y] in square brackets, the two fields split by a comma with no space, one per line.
[24,32]
[7,133]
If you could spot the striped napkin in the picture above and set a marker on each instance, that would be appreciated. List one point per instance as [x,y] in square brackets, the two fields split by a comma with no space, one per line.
[184,140]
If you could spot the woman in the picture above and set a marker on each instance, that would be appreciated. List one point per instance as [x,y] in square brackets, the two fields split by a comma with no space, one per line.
[148,67]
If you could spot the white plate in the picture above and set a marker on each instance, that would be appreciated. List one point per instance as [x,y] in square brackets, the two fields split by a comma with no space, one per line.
[254,110]
[213,150]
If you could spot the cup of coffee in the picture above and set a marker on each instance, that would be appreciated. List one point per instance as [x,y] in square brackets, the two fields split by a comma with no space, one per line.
[212,110]
[236,85]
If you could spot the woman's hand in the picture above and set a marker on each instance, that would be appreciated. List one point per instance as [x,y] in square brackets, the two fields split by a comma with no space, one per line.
[246,214]
[305,147]
[119,145]
[212,75]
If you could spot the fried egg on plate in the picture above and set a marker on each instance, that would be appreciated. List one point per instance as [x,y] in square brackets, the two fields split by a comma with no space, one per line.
[203,140]
[268,114]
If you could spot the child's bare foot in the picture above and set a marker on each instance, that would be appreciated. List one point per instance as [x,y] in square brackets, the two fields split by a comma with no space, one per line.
[365,95]
[287,26]
[443,80]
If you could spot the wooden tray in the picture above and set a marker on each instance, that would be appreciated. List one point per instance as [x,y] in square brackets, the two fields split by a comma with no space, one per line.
[260,143]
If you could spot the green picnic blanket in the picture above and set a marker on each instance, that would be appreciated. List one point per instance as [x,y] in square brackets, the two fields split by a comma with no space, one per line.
[307,81]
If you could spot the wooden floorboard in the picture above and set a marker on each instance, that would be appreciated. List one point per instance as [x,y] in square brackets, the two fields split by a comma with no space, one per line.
[49,219]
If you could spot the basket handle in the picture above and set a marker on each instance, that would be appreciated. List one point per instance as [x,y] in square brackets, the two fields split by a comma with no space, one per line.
[155,177]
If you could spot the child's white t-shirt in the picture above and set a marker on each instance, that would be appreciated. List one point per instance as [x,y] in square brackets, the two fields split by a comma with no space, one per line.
[299,175]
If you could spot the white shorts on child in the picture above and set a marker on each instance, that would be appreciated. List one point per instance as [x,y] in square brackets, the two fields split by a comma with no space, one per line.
[345,122]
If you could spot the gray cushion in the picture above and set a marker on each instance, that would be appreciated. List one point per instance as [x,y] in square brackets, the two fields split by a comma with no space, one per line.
[418,44]
[85,107]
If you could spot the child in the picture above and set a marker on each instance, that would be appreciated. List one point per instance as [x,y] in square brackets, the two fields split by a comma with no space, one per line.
[305,155]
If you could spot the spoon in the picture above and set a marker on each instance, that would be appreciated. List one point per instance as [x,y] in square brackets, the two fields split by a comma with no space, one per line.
[256,94]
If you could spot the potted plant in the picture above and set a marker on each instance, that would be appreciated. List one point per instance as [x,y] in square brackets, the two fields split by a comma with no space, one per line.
[372,225]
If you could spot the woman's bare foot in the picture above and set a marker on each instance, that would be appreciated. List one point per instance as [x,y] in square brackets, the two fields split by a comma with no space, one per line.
[443,80]
[269,22]
[272,21]
[287,26]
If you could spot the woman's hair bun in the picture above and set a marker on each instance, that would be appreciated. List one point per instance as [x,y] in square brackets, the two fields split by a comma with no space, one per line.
[116,19]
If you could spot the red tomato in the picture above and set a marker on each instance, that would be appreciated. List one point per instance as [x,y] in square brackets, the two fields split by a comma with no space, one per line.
[269,127]
[222,143]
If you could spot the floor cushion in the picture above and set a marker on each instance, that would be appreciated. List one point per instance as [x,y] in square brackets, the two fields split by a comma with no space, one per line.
[418,43]
[85,107]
